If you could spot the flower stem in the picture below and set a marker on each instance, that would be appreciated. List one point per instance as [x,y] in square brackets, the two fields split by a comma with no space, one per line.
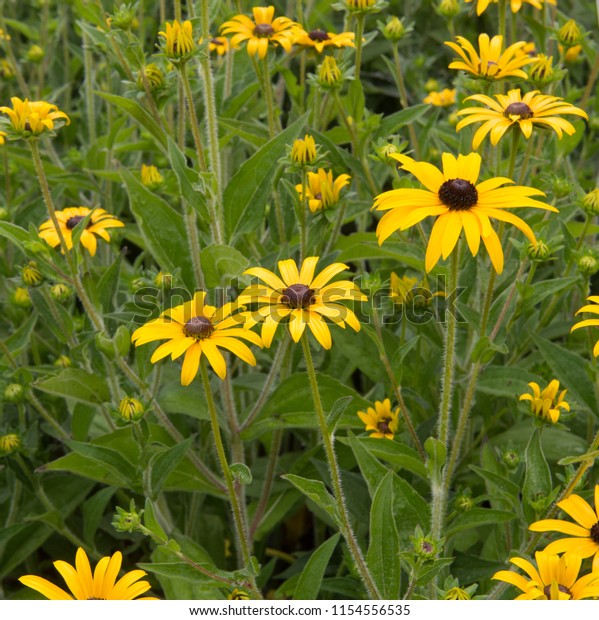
[403,98]
[195,128]
[327,439]
[270,100]
[502,19]
[240,526]
[303,208]
[359,43]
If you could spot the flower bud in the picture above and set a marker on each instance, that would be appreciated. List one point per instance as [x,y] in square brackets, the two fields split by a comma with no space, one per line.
[569,34]
[541,72]
[6,69]
[163,280]
[539,252]
[150,177]
[511,459]
[590,203]
[60,292]
[63,361]
[448,8]
[154,77]
[463,502]
[127,521]
[424,546]
[303,152]
[31,274]
[394,29]
[359,5]
[3,211]
[124,17]
[457,594]
[238,595]
[14,393]
[329,73]
[122,340]
[384,151]
[588,265]
[9,443]
[572,53]
[561,186]
[131,409]
[21,298]
[431,84]
[35,54]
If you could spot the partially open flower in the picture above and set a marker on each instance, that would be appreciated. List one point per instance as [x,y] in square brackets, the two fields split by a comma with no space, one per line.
[546,403]
[32,118]
[178,40]
[303,152]
[381,420]
[322,192]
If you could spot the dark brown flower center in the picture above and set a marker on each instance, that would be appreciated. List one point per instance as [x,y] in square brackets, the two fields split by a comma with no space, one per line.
[95,598]
[217,42]
[318,196]
[458,194]
[595,533]
[319,35]
[518,108]
[384,425]
[198,327]
[73,221]
[298,296]
[263,30]
[547,590]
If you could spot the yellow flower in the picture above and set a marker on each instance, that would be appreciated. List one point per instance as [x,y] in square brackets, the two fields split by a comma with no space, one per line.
[515,5]
[197,329]
[381,420]
[453,197]
[3,135]
[69,218]
[261,32]
[593,309]
[302,299]
[457,594]
[63,361]
[238,595]
[319,39]
[32,118]
[329,73]
[554,578]
[179,41]
[541,71]
[522,111]
[21,297]
[303,152]
[9,443]
[150,176]
[401,288]
[546,403]
[322,191]
[491,62]
[584,533]
[571,54]
[85,586]
[220,45]
[441,99]
[31,274]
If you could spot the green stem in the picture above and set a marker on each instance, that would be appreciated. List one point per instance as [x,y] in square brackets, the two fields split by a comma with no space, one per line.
[195,128]
[327,439]
[502,20]
[273,125]
[590,83]
[403,98]
[88,64]
[359,43]
[526,161]
[240,526]
[338,223]
[303,213]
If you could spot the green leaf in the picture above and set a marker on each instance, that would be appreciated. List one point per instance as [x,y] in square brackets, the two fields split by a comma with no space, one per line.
[241,473]
[314,490]
[140,114]
[537,478]
[383,552]
[503,484]
[310,579]
[108,284]
[19,236]
[395,121]
[505,381]
[191,184]
[248,192]
[77,385]
[164,462]
[478,517]
[222,263]
[337,409]
[162,228]
[542,290]
[394,452]
[93,512]
[569,368]
[152,524]
[19,339]
[108,457]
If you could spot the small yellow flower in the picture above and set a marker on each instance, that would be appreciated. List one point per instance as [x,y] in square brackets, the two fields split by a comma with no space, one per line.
[9,443]
[593,308]
[546,403]
[101,585]
[63,361]
[515,5]
[584,534]
[131,409]
[319,39]
[21,297]
[238,595]
[262,31]
[4,36]
[441,99]
[31,274]
[570,34]
[381,420]
[197,329]
[329,73]
[179,41]
[150,177]
[303,152]
[554,578]
[491,62]
[32,118]
[302,299]
[322,191]
[220,45]
[457,594]
[69,218]
[520,111]
[572,54]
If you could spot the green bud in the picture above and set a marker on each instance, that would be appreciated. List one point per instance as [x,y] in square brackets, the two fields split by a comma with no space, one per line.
[394,30]
[588,265]
[131,409]
[105,345]
[511,459]
[31,274]
[122,340]
[9,443]
[60,292]
[539,252]
[569,34]
[3,213]
[14,393]
[127,520]
[35,54]
[463,502]
[448,8]
[590,202]
[63,361]
[21,298]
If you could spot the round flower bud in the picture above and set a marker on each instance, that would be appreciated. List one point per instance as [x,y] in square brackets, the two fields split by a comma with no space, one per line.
[457,594]
[150,177]
[35,54]
[329,73]
[448,8]
[303,152]
[14,393]
[511,459]
[9,443]
[31,274]
[590,203]
[131,409]
[394,29]
[384,152]
[63,361]
[21,298]
[124,18]
[426,548]
[453,119]
[463,502]
[561,186]
[3,213]
[154,77]
[431,85]
[569,34]
[60,292]
[136,284]
[359,5]
[588,265]
[539,252]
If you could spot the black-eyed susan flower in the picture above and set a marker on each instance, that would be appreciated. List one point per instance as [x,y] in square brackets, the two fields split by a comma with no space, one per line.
[238,595]
[263,31]
[197,329]
[329,73]
[301,298]
[32,118]
[546,403]
[322,190]
[593,308]
[303,151]
[151,177]
[83,585]
[178,40]
[491,61]
[515,5]
[554,578]
[68,218]
[319,39]
[220,45]
[522,112]
[381,420]
[9,443]
[570,34]
[584,534]
[441,99]
[458,203]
